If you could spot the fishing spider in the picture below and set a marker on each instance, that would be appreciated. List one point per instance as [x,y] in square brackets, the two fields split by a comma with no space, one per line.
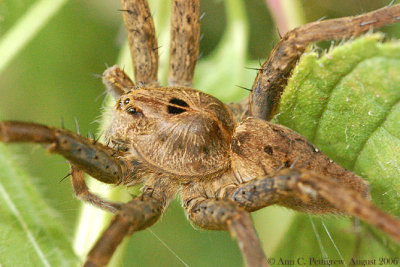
[225,160]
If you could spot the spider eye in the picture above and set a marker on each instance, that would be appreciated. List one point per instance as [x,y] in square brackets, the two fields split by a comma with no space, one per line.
[132,111]
[177,103]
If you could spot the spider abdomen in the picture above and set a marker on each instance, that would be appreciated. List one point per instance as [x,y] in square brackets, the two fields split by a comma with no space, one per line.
[261,148]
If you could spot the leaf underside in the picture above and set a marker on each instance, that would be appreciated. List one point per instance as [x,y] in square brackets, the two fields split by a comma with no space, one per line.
[347,104]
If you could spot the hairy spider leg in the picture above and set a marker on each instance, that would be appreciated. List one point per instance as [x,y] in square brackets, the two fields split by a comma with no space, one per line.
[272,78]
[219,214]
[84,155]
[138,214]
[82,192]
[308,186]
[142,41]
[184,49]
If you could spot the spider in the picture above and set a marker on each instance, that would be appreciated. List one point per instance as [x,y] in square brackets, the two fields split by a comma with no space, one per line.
[225,160]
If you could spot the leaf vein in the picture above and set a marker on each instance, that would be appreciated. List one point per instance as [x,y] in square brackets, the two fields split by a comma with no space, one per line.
[373,132]
[25,227]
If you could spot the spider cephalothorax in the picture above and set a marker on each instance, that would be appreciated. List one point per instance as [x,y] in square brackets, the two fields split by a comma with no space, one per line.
[178,139]
[191,131]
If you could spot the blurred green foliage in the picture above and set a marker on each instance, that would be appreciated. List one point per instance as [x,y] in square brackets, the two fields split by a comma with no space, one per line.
[54,79]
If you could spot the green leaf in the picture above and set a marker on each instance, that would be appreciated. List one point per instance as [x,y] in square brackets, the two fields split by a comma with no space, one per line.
[347,103]
[29,229]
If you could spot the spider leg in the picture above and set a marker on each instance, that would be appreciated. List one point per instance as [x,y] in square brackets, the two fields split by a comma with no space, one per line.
[215,214]
[135,215]
[82,192]
[185,34]
[142,41]
[238,109]
[138,214]
[87,155]
[305,187]
[274,73]
[117,81]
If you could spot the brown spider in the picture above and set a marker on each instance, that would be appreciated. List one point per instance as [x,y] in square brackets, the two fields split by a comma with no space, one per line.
[226,160]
